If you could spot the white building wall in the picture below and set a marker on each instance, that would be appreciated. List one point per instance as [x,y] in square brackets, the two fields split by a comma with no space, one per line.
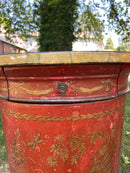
[89,46]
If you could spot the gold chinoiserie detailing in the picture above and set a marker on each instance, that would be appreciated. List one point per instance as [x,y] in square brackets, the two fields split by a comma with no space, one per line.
[102,159]
[103,156]
[16,149]
[74,147]
[43,118]
[19,158]
[68,149]
[37,140]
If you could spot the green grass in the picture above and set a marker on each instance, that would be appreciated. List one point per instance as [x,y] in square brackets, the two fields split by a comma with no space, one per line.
[3,154]
[125,152]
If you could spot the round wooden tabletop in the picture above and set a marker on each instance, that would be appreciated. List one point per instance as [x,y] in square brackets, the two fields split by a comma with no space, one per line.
[50,58]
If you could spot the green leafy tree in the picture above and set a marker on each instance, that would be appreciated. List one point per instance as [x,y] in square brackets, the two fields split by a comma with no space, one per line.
[16,17]
[109,44]
[57,19]
[72,18]
[89,26]
[123,46]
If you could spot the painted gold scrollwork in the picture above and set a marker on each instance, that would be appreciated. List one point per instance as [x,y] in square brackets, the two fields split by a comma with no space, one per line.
[19,85]
[87,90]
[106,83]
[3,89]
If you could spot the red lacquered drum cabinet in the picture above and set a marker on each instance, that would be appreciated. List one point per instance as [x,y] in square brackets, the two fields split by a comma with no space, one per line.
[62,112]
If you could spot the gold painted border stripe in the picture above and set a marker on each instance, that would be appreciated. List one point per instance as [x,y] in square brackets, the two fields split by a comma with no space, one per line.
[28,117]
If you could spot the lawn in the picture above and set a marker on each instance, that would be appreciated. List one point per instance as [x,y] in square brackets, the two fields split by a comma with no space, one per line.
[125,152]
[3,154]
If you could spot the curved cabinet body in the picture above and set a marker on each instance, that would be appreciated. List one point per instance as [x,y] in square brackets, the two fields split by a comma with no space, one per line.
[63,117]
[76,138]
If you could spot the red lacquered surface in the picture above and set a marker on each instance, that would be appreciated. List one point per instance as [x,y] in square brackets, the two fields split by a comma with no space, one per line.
[77,138]
[3,84]
[84,81]
[76,131]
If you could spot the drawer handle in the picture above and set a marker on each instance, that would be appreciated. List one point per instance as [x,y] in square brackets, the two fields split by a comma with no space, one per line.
[62,88]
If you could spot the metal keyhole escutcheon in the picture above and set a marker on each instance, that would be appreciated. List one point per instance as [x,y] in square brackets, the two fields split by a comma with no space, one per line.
[62,88]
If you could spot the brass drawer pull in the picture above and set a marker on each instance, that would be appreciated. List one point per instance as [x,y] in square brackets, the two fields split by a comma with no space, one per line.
[62,88]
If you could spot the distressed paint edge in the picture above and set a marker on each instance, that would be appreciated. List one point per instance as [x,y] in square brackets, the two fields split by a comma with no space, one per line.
[49,58]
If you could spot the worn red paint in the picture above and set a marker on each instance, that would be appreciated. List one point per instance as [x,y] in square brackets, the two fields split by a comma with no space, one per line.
[84,81]
[76,137]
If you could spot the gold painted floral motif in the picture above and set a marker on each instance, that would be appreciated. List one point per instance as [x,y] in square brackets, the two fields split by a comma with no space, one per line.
[18,155]
[37,140]
[17,150]
[75,147]
[70,148]
[58,150]
[29,117]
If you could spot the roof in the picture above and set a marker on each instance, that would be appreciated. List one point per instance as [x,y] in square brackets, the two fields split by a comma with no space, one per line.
[12,44]
[16,41]
[50,58]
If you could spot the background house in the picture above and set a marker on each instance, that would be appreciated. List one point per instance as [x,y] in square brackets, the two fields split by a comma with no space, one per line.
[6,48]
[16,46]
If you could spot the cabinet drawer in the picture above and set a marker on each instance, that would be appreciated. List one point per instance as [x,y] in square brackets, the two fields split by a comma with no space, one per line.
[64,83]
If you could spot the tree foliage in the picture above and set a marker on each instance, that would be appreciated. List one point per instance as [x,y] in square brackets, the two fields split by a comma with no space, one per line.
[72,18]
[89,25]
[57,19]
[123,46]
[109,44]
[16,17]
[116,16]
